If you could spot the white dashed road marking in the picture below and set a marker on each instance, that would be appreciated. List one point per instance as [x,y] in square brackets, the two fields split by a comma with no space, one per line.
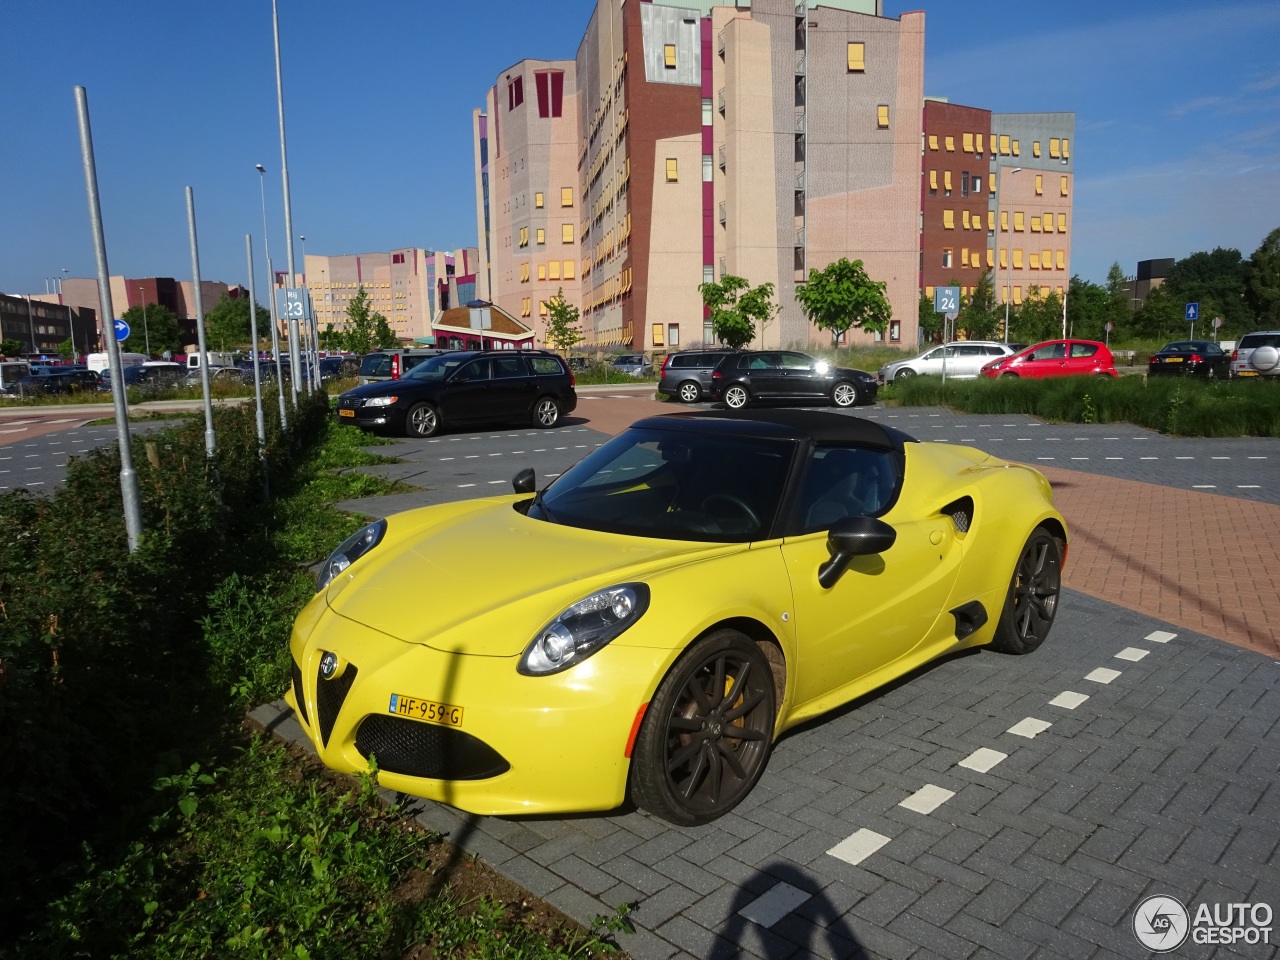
[855,849]
[1029,728]
[927,799]
[1160,636]
[771,907]
[1102,675]
[1132,653]
[1068,699]
[982,759]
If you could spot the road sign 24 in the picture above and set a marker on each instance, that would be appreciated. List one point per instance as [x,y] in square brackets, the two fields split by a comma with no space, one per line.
[946,299]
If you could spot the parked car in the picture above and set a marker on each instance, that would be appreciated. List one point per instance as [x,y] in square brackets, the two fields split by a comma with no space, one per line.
[462,387]
[632,364]
[578,364]
[1056,358]
[392,364]
[1257,355]
[745,378]
[654,619]
[1189,358]
[687,374]
[154,375]
[963,359]
[54,381]
[11,371]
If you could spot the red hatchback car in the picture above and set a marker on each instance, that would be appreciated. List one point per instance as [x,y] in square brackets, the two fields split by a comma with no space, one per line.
[1056,358]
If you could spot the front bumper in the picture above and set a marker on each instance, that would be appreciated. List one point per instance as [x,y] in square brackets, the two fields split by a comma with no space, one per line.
[526,745]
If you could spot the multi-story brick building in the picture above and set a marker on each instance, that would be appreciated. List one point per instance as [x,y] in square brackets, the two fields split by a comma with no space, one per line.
[126,292]
[759,140]
[40,323]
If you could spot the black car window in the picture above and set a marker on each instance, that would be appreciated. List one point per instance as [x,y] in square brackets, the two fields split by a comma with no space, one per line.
[411,360]
[1083,349]
[684,360]
[966,350]
[1050,351]
[546,365]
[473,371]
[1251,341]
[797,361]
[506,367]
[437,367]
[376,365]
[992,351]
[845,482]
[763,361]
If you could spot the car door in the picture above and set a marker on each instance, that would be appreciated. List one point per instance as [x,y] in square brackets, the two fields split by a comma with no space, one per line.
[1045,361]
[764,371]
[884,606]
[801,376]
[467,396]
[931,362]
[513,388]
[968,360]
[1082,359]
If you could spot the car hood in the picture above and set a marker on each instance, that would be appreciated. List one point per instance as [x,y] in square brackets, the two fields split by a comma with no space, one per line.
[379,388]
[481,578]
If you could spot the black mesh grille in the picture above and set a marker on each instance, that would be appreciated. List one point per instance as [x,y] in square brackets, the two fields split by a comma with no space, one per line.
[961,513]
[329,697]
[350,403]
[298,693]
[425,750]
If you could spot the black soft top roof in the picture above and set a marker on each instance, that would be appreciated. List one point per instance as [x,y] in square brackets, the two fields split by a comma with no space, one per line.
[823,428]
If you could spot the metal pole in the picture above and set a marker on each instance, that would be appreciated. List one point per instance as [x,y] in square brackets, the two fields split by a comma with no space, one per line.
[209,445]
[271,298]
[294,356]
[257,373]
[146,330]
[71,322]
[31,327]
[128,478]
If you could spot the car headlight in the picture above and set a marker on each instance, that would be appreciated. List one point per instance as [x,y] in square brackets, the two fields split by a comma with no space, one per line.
[583,628]
[380,401]
[351,550]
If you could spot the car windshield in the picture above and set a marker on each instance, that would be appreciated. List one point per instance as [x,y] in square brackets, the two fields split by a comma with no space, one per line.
[628,361]
[437,368]
[673,485]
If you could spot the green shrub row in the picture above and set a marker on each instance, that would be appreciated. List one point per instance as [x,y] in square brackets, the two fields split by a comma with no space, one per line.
[1176,405]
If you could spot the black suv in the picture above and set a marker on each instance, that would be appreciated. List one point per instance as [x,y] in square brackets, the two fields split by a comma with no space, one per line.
[744,378]
[687,375]
[461,387]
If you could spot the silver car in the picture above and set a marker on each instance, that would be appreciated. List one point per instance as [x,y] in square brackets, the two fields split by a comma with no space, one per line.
[1257,355]
[633,364]
[963,360]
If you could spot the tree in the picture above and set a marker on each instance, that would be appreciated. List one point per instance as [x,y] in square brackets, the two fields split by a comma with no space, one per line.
[1161,316]
[562,320]
[980,315]
[1119,307]
[930,321]
[367,330]
[153,324]
[10,347]
[1040,316]
[226,326]
[736,307]
[841,296]
[66,349]
[331,339]
[1216,281]
[1262,291]
[1087,309]
[383,336]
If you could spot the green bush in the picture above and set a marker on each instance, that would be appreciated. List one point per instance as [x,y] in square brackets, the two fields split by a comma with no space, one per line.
[1183,406]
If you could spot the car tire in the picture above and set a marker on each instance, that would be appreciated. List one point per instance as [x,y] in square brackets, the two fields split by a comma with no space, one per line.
[707,733]
[690,392]
[546,413]
[903,374]
[1032,600]
[1009,374]
[422,421]
[845,394]
[736,397]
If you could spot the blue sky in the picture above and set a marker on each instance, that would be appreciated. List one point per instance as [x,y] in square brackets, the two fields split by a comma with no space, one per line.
[1177,106]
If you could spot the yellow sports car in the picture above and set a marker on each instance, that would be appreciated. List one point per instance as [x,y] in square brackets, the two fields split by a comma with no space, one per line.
[649,623]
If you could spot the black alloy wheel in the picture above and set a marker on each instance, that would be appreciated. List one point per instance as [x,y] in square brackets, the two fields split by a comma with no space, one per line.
[422,421]
[707,733]
[1032,601]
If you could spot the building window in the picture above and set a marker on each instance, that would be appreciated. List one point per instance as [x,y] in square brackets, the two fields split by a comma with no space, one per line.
[1017,150]
[946,256]
[515,93]
[964,257]
[857,57]
[657,335]
[1061,256]
[946,182]
[1062,185]
[991,258]
[1053,147]
[882,116]
[708,273]
[1035,148]
[951,144]
[708,168]
[933,141]
[550,87]
[979,146]
[1035,261]
[566,196]
[673,173]
[967,141]
[964,183]
[933,183]
[669,56]
[553,270]
[566,233]
[542,271]
[673,334]
[707,112]
[976,184]
[542,235]
[568,269]
[1047,220]
[1019,221]
[1062,223]
[1017,258]
[964,219]
[537,200]
[948,219]
[895,330]
[1035,224]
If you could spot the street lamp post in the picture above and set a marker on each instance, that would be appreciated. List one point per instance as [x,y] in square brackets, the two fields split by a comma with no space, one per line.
[271,288]
[71,323]
[1008,272]
[146,331]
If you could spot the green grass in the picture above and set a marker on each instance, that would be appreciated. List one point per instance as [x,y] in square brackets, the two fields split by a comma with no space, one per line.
[1181,406]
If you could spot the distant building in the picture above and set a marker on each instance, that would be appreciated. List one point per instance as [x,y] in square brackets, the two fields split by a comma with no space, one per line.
[1151,274]
[41,323]
[126,292]
[759,140]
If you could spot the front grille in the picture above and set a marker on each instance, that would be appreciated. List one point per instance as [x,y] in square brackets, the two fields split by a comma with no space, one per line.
[298,693]
[350,403]
[329,697]
[425,750]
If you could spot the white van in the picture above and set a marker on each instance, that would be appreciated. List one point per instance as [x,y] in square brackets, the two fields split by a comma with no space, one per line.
[97,362]
[216,359]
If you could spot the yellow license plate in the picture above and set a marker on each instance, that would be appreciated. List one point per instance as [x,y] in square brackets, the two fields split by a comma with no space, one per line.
[346,413]
[427,710]
[1172,359]
[1247,373]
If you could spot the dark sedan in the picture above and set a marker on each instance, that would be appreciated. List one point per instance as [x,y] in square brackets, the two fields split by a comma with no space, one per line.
[465,387]
[58,380]
[744,378]
[1189,358]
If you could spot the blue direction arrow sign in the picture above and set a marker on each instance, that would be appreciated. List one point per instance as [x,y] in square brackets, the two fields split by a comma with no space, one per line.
[122,331]
[946,299]
[1193,311]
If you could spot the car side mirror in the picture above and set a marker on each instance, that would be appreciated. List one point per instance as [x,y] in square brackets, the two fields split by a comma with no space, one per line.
[526,481]
[853,537]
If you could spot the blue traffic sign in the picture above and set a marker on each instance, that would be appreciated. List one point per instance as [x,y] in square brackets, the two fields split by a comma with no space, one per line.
[946,299]
[1193,311]
[122,330]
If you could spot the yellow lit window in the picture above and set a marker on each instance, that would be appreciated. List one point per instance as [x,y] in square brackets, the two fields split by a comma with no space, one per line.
[948,219]
[669,55]
[933,141]
[553,270]
[566,196]
[537,199]
[1039,185]
[1048,222]
[1004,220]
[1062,223]
[1004,144]
[566,233]
[1004,261]
[1035,224]
[1046,258]
[951,143]
[1035,261]
[1066,149]
[542,271]
[568,269]
[933,179]
[1053,147]
[928,292]
[542,235]
[673,173]
[991,258]
[1062,185]
[1017,295]
[1017,258]
[968,142]
[1060,257]
[857,57]
[882,116]
[991,220]
[946,179]
[1016,148]
[1035,148]
[657,330]
[964,256]
[1018,221]
[964,219]
[979,143]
